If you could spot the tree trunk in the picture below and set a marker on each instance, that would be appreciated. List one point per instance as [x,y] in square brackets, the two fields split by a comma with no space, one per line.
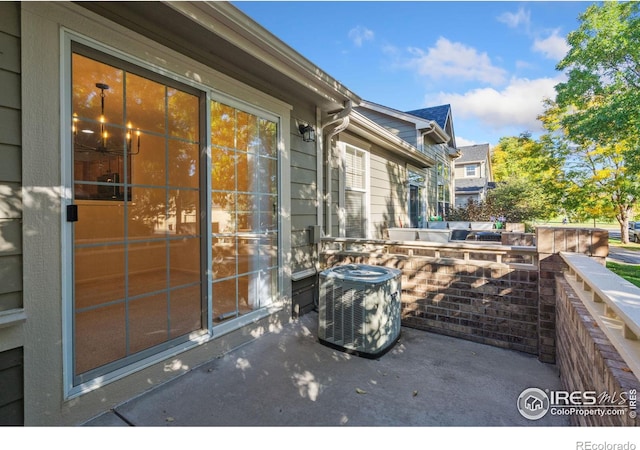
[623,220]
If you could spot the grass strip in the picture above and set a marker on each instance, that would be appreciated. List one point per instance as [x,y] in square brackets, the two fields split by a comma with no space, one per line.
[629,272]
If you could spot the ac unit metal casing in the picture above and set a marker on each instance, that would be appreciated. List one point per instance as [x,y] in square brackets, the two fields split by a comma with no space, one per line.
[359,308]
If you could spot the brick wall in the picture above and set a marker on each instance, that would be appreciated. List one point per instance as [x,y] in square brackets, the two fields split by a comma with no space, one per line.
[481,301]
[586,359]
[492,304]
[481,297]
[551,241]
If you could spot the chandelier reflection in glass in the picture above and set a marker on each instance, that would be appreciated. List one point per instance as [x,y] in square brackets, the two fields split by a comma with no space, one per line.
[102,143]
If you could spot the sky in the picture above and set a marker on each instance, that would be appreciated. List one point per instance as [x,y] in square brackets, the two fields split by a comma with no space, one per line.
[493,62]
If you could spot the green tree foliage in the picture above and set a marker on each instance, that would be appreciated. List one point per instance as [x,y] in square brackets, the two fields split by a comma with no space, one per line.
[516,200]
[528,185]
[525,169]
[594,121]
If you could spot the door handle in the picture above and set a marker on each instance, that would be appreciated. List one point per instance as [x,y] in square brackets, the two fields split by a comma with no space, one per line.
[72,213]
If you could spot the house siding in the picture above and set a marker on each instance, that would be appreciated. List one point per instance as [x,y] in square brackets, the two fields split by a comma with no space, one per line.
[304,214]
[11,339]
[12,392]
[439,152]
[472,188]
[304,200]
[388,178]
[10,159]
[402,129]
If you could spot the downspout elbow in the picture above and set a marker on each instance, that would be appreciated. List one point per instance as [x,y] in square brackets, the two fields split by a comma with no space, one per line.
[342,119]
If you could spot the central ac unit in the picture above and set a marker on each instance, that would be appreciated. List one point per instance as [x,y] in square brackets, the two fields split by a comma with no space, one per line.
[359,308]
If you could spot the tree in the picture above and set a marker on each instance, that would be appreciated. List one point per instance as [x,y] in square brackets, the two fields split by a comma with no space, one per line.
[525,169]
[519,200]
[595,118]
[516,200]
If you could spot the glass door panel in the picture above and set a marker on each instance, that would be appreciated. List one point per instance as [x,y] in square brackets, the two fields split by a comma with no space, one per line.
[137,241]
[244,182]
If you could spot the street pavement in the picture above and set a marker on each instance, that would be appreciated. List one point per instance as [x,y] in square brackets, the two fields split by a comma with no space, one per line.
[624,256]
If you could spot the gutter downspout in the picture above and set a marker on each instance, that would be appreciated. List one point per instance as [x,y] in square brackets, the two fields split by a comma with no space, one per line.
[342,119]
[324,193]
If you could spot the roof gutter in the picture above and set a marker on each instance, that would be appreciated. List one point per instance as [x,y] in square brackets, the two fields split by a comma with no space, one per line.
[439,132]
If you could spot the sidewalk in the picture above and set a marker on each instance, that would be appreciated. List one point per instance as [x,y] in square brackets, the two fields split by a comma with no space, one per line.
[289,379]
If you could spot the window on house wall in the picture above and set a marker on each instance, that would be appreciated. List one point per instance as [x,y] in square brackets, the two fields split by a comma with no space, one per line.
[356,162]
[417,201]
[444,189]
[471,170]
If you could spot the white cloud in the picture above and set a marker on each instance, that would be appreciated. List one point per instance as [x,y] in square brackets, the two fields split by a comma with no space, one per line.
[554,47]
[455,60]
[391,51]
[514,20]
[462,142]
[359,35]
[517,105]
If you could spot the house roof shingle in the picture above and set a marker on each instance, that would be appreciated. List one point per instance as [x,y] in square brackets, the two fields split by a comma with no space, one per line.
[438,114]
[470,185]
[470,153]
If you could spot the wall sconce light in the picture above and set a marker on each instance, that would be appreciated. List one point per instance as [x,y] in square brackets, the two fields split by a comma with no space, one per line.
[308,133]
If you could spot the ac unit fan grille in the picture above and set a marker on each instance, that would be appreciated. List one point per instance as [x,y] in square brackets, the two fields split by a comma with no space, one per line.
[345,316]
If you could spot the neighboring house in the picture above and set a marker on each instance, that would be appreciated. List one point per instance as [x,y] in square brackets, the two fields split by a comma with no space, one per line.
[430,187]
[473,174]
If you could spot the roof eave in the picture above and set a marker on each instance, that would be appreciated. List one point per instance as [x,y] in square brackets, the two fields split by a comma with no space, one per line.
[419,122]
[379,135]
[228,22]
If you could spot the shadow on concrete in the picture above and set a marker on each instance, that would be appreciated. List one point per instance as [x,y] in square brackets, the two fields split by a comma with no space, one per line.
[289,379]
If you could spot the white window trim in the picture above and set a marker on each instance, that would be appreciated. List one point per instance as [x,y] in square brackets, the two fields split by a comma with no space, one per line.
[342,146]
[476,168]
[423,200]
[216,86]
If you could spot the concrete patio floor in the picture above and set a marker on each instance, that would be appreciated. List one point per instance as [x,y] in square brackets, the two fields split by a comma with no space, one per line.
[289,379]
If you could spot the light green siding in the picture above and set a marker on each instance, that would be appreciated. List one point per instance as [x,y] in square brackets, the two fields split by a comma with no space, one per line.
[11,365]
[304,193]
[404,130]
[10,159]
[12,393]
[388,196]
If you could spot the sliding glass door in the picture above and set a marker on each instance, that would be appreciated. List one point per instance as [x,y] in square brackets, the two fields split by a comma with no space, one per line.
[137,173]
[175,212]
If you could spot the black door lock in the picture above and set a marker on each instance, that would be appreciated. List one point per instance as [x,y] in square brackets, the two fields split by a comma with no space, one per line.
[72,213]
